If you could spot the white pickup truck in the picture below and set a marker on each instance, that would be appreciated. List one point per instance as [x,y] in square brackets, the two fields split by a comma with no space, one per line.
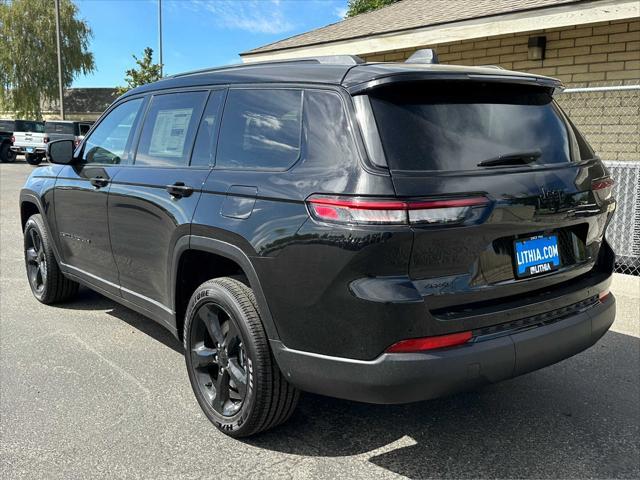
[30,140]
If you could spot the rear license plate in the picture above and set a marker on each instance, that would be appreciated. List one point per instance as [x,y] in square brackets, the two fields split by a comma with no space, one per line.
[29,149]
[536,255]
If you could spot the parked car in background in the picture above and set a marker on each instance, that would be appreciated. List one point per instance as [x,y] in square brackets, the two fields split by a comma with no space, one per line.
[67,130]
[379,232]
[30,140]
[7,127]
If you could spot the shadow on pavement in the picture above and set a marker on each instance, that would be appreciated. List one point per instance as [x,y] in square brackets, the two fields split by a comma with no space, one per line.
[555,423]
[89,300]
[576,419]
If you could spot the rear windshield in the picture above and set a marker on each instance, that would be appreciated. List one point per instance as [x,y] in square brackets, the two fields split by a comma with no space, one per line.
[458,125]
[7,126]
[55,127]
[29,126]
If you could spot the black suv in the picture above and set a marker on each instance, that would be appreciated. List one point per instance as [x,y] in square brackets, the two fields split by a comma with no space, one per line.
[377,232]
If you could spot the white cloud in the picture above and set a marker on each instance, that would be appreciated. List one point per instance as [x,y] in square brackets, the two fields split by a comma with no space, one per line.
[341,12]
[253,16]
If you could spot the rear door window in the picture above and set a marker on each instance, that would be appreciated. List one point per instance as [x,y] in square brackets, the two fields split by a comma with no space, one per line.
[459,125]
[169,129]
[261,129]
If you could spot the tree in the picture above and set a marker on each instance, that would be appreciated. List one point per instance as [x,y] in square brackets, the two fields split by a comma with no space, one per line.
[28,53]
[147,72]
[356,7]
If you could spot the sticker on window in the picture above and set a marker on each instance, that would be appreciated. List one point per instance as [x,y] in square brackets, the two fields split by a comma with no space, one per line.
[170,132]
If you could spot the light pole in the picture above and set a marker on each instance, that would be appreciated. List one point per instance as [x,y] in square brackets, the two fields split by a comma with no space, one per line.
[58,41]
[160,35]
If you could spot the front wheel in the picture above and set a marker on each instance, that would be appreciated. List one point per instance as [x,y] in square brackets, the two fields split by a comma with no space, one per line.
[33,159]
[232,371]
[47,282]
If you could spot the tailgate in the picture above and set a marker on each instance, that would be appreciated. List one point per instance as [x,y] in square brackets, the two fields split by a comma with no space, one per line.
[547,198]
[29,139]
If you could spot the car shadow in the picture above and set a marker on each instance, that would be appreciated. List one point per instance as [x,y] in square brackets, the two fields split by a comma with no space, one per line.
[553,423]
[88,299]
[576,419]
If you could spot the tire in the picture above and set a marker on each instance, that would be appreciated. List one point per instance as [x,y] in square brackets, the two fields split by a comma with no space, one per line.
[6,155]
[223,312]
[32,159]
[47,282]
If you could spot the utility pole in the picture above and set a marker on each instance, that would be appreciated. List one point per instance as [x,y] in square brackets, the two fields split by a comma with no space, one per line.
[58,41]
[160,35]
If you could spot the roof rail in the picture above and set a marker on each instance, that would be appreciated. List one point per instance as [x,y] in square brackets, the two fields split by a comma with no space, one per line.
[327,59]
[424,55]
[497,67]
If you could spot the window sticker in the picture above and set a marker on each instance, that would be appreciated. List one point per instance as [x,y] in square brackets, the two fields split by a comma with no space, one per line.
[170,132]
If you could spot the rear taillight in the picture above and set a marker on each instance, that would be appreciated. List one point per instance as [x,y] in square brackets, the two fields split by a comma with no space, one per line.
[370,211]
[13,139]
[414,345]
[603,188]
[602,296]
[46,139]
[76,142]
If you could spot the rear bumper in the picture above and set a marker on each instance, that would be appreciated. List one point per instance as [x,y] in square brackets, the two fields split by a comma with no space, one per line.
[403,378]
[23,150]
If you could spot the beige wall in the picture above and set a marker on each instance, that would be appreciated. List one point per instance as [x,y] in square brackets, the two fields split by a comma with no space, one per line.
[579,56]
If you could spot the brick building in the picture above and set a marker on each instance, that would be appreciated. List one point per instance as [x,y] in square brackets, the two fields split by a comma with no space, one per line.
[585,44]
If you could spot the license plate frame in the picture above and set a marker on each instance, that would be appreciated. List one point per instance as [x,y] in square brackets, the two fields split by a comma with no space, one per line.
[29,149]
[536,255]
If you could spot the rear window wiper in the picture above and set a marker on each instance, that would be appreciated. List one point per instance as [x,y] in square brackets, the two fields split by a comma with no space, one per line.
[515,158]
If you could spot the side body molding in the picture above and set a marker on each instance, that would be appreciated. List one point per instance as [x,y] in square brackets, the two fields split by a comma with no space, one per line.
[230,251]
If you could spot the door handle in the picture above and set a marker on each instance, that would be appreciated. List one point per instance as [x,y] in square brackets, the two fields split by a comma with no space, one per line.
[179,190]
[99,182]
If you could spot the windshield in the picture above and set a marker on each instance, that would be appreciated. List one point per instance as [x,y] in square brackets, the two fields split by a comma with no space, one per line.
[466,126]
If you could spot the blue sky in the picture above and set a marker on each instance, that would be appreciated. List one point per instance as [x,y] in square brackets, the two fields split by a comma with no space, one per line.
[197,33]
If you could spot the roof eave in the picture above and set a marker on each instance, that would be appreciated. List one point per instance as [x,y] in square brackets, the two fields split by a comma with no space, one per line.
[516,22]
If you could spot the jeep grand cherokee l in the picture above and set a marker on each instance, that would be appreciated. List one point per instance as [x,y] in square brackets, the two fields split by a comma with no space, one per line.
[378,232]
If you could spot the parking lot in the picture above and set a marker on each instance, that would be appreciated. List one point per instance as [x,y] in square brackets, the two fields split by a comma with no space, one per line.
[91,389]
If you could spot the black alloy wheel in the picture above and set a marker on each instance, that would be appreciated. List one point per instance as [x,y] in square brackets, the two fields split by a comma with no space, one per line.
[219,359]
[47,282]
[231,368]
[36,261]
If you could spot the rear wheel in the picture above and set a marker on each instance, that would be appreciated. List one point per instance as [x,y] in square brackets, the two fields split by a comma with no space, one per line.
[6,155]
[232,371]
[33,159]
[47,282]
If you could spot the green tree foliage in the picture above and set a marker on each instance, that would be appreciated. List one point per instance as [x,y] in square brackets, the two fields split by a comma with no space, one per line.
[28,53]
[146,72]
[356,7]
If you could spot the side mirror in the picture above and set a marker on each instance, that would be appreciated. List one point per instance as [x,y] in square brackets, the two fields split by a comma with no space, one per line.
[61,152]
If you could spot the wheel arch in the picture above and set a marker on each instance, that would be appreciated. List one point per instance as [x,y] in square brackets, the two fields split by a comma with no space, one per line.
[28,208]
[229,255]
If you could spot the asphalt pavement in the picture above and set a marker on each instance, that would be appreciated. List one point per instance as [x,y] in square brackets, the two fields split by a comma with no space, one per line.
[91,389]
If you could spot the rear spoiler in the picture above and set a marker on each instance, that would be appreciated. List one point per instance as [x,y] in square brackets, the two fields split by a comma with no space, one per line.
[406,77]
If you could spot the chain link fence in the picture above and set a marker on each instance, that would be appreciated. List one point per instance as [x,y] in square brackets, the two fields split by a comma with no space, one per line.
[610,119]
